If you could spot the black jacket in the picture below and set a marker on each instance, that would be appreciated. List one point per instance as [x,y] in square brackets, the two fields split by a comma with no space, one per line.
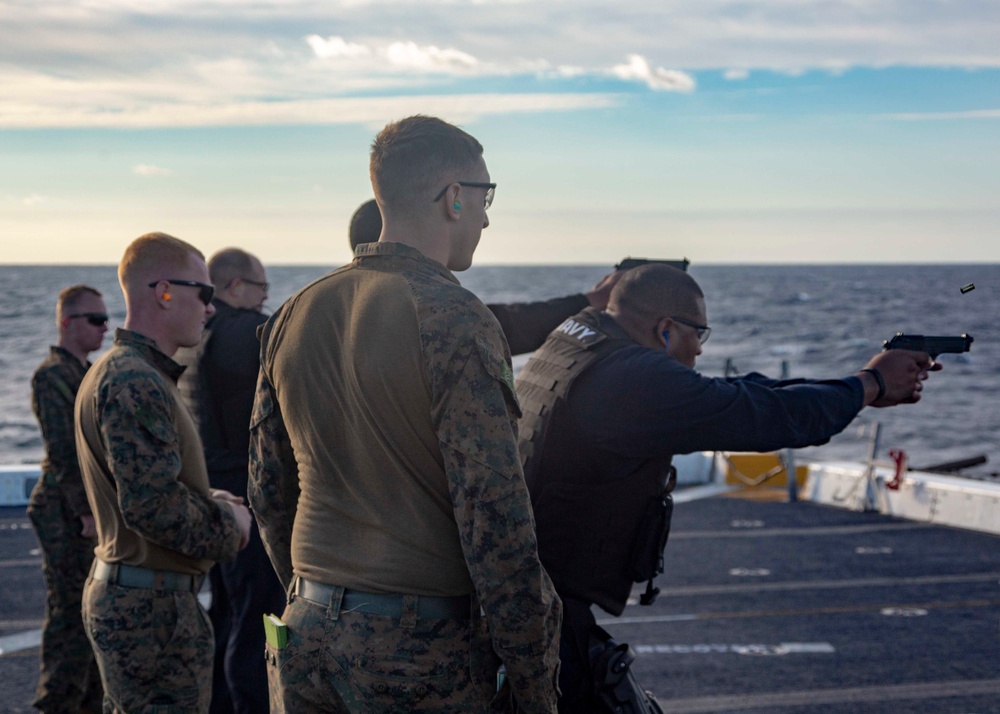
[596,450]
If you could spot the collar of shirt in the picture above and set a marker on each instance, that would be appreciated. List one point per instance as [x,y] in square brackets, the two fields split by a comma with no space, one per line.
[147,348]
[65,355]
[366,253]
[604,322]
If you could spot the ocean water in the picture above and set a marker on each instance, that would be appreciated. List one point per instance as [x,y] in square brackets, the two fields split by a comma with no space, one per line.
[823,321]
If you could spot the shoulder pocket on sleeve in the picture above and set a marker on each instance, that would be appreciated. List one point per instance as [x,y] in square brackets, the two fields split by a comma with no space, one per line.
[148,415]
[263,404]
[497,366]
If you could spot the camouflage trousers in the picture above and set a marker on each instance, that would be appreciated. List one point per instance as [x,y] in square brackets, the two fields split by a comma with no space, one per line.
[68,680]
[154,648]
[351,662]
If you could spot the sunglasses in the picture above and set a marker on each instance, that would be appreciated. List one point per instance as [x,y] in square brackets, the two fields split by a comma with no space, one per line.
[97,319]
[205,291]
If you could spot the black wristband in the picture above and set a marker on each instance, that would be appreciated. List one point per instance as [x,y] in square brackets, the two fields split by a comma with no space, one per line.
[878,378]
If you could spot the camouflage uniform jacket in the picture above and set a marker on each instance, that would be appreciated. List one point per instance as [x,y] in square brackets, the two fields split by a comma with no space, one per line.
[143,464]
[465,380]
[53,391]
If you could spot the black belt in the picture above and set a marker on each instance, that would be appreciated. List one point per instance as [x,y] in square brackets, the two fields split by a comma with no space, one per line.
[429,607]
[133,576]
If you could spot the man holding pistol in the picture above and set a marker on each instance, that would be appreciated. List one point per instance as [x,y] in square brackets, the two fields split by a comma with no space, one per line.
[608,400]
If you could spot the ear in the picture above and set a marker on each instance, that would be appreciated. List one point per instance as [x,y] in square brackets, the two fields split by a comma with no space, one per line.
[161,291]
[452,203]
[662,331]
[64,323]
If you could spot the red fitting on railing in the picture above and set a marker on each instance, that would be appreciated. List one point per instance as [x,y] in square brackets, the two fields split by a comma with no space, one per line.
[899,456]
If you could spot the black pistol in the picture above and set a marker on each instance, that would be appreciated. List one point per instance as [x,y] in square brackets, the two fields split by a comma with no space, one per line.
[932,345]
[630,262]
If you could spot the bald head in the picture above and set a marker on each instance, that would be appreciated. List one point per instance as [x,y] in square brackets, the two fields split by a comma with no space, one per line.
[229,264]
[239,278]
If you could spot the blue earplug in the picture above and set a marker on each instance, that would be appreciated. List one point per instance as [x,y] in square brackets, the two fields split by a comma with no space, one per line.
[666,339]
[457,205]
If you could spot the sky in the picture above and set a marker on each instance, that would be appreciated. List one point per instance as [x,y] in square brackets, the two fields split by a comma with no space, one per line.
[724,131]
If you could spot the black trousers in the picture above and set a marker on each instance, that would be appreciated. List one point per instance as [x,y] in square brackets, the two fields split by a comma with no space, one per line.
[576,680]
[243,591]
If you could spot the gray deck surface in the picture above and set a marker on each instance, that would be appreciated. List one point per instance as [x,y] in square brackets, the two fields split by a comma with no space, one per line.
[766,607]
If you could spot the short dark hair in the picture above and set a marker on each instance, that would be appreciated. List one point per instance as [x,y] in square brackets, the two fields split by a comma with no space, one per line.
[227,264]
[412,156]
[649,292]
[69,297]
[366,224]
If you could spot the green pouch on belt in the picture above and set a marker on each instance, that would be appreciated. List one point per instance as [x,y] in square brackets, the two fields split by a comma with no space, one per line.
[275,631]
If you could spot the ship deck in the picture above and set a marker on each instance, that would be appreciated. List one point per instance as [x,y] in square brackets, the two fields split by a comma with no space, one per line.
[766,606]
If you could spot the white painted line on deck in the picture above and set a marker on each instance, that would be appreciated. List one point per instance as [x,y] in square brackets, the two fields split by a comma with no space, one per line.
[802,532]
[904,612]
[646,620]
[20,562]
[696,493]
[20,641]
[784,648]
[749,572]
[877,697]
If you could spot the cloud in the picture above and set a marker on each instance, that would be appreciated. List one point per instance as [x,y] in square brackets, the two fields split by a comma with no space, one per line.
[336,47]
[380,57]
[150,170]
[428,58]
[92,59]
[33,200]
[369,111]
[667,80]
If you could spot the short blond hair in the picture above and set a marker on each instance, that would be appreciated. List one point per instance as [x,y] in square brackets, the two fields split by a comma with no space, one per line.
[69,298]
[150,252]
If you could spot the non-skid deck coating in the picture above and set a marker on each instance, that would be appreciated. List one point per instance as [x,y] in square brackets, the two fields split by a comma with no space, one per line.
[765,607]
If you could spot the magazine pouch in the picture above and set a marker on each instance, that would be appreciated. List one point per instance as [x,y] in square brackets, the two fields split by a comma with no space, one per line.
[651,539]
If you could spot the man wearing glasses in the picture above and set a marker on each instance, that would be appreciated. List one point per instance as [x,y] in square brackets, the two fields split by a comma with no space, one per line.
[384,470]
[608,400]
[218,387]
[159,525]
[58,508]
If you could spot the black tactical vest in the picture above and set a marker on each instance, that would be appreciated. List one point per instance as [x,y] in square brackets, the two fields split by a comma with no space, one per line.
[598,532]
